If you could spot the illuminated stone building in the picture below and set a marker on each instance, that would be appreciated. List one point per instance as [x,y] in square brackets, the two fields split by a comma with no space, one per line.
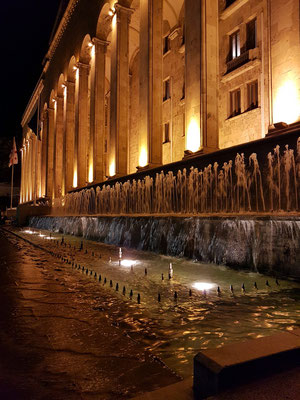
[134,84]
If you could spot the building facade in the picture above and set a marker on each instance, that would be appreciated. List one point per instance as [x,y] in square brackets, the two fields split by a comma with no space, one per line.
[130,85]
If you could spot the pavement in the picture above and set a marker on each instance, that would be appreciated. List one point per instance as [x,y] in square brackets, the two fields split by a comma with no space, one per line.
[57,339]
[283,386]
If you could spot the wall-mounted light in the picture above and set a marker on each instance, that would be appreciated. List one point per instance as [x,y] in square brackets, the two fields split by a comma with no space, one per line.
[111,12]
[143,158]
[75,68]
[287,103]
[193,136]
[63,85]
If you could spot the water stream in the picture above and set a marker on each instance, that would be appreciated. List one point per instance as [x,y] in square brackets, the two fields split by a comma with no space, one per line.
[237,186]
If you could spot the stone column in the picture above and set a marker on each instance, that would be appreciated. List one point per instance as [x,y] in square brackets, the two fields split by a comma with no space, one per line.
[83,124]
[26,171]
[59,146]
[38,173]
[99,114]
[119,83]
[70,135]
[22,176]
[33,167]
[193,74]
[50,151]
[151,82]
[44,153]
[201,62]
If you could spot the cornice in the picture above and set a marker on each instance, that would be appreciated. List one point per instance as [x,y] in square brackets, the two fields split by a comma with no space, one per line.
[32,102]
[60,31]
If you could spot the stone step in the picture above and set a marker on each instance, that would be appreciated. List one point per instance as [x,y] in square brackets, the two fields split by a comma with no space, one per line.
[218,369]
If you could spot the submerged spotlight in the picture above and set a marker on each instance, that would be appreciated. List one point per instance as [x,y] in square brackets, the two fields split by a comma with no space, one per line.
[127,263]
[203,285]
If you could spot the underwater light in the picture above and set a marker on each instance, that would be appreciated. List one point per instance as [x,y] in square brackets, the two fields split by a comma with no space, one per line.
[127,263]
[203,285]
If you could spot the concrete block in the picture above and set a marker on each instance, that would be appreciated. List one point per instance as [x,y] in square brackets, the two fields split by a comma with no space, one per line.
[219,369]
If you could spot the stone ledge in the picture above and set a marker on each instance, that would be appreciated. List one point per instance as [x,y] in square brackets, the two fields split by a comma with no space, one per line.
[218,369]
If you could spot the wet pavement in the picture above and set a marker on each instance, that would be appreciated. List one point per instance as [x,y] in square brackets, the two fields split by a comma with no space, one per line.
[58,339]
[174,329]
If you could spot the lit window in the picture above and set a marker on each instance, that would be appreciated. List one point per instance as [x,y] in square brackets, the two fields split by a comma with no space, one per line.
[235,49]
[235,103]
[166,89]
[166,132]
[166,44]
[251,35]
[252,95]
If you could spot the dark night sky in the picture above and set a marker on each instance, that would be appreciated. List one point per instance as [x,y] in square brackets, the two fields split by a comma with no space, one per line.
[25,27]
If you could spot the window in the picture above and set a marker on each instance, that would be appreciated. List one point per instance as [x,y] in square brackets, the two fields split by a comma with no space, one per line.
[166,47]
[105,146]
[166,89]
[252,95]
[251,35]
[235,103]
[235,50]
[166,132]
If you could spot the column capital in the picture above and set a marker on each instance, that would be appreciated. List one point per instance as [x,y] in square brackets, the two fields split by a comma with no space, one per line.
[123,10]
[100,42]
[83,66]
[69,84]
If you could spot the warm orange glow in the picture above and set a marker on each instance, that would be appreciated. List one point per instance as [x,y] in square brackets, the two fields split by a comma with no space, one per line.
[93,51]
[287,103]
[91,173]
[143,159]
[114,20]
[193,136]
[112,168]
[75,178]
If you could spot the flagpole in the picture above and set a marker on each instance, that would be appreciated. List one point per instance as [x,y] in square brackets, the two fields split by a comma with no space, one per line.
[12,186]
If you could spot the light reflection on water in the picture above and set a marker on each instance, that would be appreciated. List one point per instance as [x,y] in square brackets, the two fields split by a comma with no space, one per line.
[175,330]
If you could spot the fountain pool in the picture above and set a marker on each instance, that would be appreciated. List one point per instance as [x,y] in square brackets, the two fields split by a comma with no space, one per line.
[176,329]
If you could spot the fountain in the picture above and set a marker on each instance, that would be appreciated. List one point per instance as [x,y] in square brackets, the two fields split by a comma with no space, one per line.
[191,213]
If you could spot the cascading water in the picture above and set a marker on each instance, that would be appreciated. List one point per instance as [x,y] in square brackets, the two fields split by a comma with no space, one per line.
[236,187]
[154,211]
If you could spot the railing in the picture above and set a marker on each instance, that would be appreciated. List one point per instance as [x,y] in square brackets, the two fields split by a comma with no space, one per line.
[238,61]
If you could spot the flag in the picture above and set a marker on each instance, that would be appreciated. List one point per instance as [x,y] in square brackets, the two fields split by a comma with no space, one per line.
[13,157]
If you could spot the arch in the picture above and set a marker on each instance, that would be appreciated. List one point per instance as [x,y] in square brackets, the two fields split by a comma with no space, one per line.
[85,51]
[104,21]
[171,11]
[133,58]
[52,99]
[71,74]
[61,85]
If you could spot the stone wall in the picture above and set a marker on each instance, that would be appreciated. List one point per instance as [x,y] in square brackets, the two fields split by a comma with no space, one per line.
[263,244]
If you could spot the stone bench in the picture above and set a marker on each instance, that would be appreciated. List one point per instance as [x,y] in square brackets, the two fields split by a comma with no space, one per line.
[238,363]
